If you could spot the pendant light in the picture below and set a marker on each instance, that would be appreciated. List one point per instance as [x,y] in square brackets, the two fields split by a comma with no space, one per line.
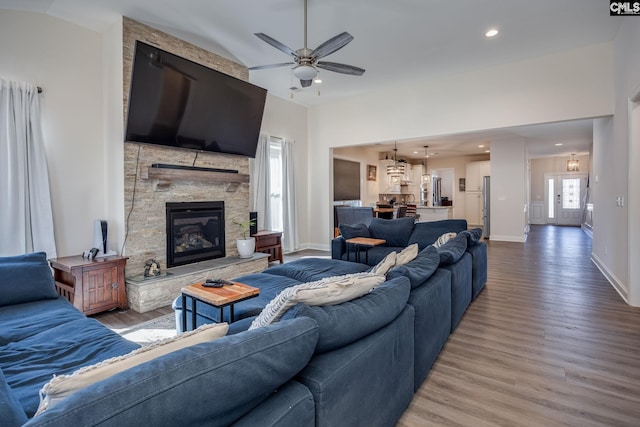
[396,169]
[426,178]
[573,165]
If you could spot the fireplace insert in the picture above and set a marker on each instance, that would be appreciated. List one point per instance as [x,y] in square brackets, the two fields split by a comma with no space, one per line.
[195,232]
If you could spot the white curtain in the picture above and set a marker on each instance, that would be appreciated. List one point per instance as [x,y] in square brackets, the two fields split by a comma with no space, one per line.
[26,219]
[290,241]
[261,177]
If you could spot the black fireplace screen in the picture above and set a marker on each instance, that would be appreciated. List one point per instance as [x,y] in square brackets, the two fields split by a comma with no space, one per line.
[195,232]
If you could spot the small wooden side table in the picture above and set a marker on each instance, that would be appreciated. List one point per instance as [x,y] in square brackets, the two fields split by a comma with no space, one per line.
[91,285]
[269,242]
[365,242]
[227,295]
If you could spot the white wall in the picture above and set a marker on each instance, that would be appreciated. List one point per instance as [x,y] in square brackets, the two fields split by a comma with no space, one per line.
[508,190]
[65,60]
[113,134]
[563,86]
[615,159]
[289,121]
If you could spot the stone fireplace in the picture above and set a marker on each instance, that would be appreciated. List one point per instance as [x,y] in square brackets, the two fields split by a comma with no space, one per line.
[146,197]
[195,232]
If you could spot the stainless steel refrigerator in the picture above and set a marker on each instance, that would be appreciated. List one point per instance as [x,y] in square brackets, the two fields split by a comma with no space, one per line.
[437,187]
[486,205]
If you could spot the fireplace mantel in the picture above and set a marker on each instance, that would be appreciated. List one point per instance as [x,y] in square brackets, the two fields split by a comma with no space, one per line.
[165,177]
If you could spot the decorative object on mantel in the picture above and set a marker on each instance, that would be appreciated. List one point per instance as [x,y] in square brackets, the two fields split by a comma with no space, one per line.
[151,268]
[573,165]
[246,245]
[395,169]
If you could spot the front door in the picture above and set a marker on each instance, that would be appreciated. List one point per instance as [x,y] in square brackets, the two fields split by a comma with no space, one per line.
[564,196]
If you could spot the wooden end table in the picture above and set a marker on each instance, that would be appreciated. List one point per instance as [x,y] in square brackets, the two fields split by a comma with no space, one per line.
[91,285]
[269,242]
[366,243]
[222,297]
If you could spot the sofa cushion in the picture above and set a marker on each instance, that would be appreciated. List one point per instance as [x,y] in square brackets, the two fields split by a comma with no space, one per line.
[396,232]
[444,239]
[473,236]
[26,278]
[11,413]
[451,251]
[425,233]
[407,254]
[193,386]
[312,269]
[349,231]
[420,269]
[29,363]
[62,386]
[329,291]
[345,323]
[385,265]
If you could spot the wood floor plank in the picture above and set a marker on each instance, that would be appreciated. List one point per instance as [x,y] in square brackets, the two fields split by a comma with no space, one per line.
[549,342]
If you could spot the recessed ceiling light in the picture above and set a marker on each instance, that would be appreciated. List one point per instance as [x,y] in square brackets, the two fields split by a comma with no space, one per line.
[318,81]
[491,33]
[558,144]
[487,151]
[415,152]
[481,146]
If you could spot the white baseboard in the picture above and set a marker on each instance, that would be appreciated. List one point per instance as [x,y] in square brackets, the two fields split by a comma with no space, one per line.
[315,246]
[611,278]
[498,238]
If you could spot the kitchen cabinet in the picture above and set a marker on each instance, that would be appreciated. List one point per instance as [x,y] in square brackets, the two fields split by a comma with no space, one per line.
[473,207]
[474,173]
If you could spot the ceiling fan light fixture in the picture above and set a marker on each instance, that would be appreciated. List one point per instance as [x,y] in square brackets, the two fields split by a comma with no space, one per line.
[305,72]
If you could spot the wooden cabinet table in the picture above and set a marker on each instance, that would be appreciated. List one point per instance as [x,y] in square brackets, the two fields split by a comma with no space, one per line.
[91,285]
[269,242]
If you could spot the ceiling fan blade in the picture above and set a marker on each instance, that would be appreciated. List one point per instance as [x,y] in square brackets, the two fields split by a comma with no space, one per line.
[340,68]
[275,43]
[264,67]
[305,83]
[331,45]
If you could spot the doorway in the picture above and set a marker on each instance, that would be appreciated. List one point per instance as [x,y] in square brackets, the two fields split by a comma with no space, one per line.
[565,198]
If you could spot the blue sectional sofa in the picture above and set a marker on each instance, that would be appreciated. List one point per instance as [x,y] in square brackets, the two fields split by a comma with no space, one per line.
[354,363]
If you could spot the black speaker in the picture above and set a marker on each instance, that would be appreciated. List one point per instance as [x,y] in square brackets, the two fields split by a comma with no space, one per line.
[253,228]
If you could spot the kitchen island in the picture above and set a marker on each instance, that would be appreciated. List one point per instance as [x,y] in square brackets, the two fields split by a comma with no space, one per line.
[434,213]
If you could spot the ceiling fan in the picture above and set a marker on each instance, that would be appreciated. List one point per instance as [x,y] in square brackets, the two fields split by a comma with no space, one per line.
[306,60]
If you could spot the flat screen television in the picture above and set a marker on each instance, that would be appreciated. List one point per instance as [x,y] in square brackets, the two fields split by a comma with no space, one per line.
[179,103]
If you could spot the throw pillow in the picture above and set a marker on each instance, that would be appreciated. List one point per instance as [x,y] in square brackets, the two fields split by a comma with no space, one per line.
[407,254]
[453,250]
[63,386]
[396,232]
[357,230]
[329,291]
[444,239]
[26,278]
[473,236]
[385,265]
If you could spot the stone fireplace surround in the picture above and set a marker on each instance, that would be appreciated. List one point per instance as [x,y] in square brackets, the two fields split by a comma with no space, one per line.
[145,209]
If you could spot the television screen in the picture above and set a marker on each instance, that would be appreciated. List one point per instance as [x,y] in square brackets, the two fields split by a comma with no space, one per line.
[346,180]
[178,103]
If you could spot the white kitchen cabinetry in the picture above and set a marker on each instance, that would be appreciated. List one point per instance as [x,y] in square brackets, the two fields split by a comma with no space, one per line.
[474,173]
[473,207]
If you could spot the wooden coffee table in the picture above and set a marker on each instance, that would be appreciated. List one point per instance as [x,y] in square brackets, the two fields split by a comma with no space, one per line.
[222,297]
[365,242]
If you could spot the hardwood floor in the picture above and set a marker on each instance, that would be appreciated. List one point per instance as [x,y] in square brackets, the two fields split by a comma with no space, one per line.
[548,342]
